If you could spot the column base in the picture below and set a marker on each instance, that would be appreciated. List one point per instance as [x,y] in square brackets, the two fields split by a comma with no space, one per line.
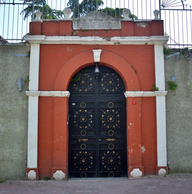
[135,171]
[161,170]
[32,174]
[59,174]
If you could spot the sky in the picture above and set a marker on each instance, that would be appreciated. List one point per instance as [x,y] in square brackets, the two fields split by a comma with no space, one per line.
[12,25]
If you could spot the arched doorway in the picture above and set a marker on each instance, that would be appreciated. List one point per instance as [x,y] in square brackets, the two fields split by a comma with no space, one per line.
[97,124]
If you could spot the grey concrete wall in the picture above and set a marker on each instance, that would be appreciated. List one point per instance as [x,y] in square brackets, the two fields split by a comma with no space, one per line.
[179,114]
[13,112]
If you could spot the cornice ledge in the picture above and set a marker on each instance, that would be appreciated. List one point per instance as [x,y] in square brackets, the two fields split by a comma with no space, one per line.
[75,40]
[42,39]
[161,93]
[144,94]
[32,93]
[159,39]
[35,39]
[48,93]
[135,40]
[55,93]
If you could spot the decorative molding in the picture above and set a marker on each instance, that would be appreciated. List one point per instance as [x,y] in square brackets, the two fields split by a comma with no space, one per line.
[48,93]
[136,173]
[59,175]
[32,93]
[31,175]
[156,14]
[67,13]
[88,40]
[144,94]
[126,13]
[35,39]
[162,172]
[159,41]
[38,16]
[97,54]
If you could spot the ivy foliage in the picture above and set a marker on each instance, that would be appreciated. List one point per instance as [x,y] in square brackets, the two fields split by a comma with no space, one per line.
[77,76]
[172,85]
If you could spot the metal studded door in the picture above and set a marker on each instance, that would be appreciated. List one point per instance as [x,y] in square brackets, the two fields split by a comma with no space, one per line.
[97,125]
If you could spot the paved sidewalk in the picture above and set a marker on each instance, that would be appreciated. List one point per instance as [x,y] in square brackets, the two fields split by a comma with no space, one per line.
[172,184]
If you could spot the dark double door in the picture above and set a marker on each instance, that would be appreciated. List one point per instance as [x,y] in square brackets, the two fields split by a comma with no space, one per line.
[97,125]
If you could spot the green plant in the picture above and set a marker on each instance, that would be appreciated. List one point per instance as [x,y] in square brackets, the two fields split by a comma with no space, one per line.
[83,31]
[172,85]
[27,79]
[2,181]
[168,167]
[28,54]
[166,50]
[77,76]
[154,88]
[46,178]
[134,69]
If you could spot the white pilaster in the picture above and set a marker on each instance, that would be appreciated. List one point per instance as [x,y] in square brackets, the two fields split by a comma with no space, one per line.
[34,67]
[160,106]
[159,67]
[33,107]
[32,131]
[161,131]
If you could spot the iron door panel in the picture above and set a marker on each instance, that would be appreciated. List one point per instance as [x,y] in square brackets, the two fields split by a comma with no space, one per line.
[97,130]
[82,139]
[112,139]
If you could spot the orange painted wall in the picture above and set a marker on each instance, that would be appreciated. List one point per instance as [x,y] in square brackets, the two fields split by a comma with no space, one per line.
[128,28]
[149,142]
[53,57]
[45,136]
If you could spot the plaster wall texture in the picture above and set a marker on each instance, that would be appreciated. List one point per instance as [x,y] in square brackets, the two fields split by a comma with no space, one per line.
[179,114]
[13,112]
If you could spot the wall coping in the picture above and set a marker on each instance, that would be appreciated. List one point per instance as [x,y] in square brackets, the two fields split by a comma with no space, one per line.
[88,40]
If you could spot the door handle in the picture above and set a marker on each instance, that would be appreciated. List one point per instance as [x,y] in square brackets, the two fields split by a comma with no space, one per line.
[84,139]
[111,139]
